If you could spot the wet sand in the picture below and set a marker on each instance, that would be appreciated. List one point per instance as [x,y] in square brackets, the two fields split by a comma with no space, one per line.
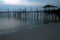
[40,32]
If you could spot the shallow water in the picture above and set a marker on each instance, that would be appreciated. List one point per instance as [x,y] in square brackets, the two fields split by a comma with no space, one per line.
[9,25]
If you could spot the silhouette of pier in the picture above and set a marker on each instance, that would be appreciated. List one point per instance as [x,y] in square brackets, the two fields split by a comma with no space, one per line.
[49,14]
[19,11]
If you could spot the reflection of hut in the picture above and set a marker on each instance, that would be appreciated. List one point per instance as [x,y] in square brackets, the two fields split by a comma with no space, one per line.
[49,7]
[58,13]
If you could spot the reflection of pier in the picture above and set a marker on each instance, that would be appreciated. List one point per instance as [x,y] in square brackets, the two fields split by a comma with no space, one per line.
[50,14]
[18,13]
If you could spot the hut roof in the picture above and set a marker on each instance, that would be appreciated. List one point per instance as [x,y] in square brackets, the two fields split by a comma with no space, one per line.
[48,6]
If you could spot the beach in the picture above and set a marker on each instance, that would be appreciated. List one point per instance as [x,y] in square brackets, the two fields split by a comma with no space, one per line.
[49,31]
[29,19]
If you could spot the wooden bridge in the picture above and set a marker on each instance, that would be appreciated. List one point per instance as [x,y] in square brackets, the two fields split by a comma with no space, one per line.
[49,14]
[19,11]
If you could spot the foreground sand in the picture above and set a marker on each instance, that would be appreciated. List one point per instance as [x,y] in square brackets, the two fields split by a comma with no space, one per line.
[40,32]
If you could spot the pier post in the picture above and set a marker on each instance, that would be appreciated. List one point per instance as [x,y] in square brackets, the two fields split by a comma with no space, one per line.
[59,18]
[49,17]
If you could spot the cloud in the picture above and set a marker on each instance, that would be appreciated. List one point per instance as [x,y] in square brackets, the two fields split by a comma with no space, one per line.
[20,2]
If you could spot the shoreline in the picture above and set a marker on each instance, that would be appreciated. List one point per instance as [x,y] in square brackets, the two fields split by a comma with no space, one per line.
[42,32]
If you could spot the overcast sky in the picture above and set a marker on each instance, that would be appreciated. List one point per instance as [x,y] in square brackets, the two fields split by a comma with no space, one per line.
[28,3]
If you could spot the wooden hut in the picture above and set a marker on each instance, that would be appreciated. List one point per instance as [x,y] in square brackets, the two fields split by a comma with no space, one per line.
[49,7]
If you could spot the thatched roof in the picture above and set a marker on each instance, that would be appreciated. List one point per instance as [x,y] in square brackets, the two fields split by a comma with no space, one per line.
[48,6]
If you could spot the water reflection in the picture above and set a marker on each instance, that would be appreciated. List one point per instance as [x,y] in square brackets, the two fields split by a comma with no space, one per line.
[17,22]
[8,25]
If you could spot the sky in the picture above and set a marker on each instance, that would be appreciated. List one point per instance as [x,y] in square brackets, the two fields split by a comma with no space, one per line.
[16,4]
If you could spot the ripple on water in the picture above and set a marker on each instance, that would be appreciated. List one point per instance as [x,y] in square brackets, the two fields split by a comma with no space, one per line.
[12,25]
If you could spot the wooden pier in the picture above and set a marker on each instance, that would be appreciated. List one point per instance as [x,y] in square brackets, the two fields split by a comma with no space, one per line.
[49,14]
